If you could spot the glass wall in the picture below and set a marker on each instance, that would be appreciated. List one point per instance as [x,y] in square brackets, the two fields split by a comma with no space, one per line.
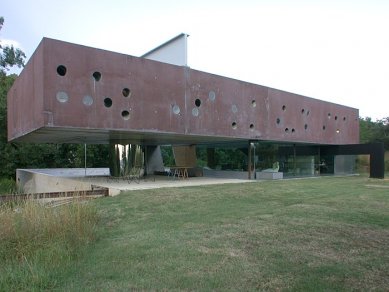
[295,160]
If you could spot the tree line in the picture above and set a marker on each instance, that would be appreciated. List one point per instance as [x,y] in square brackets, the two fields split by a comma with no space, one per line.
[374,131]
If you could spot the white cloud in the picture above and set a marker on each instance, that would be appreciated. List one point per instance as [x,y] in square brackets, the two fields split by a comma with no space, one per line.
[8,42]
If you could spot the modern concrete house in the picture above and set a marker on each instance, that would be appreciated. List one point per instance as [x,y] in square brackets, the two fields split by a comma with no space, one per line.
[70,93]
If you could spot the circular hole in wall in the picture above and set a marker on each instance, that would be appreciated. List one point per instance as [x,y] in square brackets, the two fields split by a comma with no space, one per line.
[126,115]
[195,112]
[96,76]
[62,97]
[278,121]
[251,127]
[303,111]
[253,103]
[324,127]
[126,92]
[234,125]
[284,107]
[329,115]
[336,117]
[286,130]
[212,95]
[344,119]
[305,126]
[107,102]
[87,100]
[197,102]
[293,130]
[176,109]
[61,70]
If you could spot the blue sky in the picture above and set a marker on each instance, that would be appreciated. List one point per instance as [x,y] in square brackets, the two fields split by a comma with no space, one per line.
[336,51]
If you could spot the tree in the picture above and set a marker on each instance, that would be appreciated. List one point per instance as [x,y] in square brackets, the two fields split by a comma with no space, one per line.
[10,56]
[367,130]
[377,131]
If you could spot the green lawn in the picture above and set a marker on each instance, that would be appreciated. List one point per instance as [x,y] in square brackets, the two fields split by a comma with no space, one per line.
[319,234]
[309,234]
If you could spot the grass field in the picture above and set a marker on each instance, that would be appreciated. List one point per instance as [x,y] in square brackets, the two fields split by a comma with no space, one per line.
[319,234]
[38,245]
[7,186]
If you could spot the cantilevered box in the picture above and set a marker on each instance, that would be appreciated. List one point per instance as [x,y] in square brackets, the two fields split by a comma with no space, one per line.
[69,93]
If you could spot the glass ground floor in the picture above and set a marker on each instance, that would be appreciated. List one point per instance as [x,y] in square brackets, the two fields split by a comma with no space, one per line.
[291,159]
[245,159]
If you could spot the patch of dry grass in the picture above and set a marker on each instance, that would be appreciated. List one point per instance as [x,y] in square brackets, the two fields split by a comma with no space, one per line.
[36,242]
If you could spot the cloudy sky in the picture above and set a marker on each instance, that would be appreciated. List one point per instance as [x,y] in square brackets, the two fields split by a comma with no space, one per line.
[336,51]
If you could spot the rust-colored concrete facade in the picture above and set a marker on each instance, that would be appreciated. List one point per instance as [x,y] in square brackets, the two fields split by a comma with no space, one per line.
[70,93]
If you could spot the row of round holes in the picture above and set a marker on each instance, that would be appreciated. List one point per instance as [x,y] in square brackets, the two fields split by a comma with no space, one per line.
[198,101]
[61,70]
[278,121]
[63,97]
[305,127]
[108,101]
[307,113]
[234,126]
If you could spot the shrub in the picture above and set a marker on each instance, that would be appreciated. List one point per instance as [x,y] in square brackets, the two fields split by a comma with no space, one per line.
[7,186]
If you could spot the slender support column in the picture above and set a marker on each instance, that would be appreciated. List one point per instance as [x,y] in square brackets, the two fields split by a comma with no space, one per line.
[85,158]
[254,159]
[249,161]
[294,159]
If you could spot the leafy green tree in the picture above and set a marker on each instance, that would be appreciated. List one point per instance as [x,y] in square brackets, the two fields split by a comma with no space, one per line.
[377,131]
[167,155]
[384,131]
[96,155]
[231,159]
[10,56]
